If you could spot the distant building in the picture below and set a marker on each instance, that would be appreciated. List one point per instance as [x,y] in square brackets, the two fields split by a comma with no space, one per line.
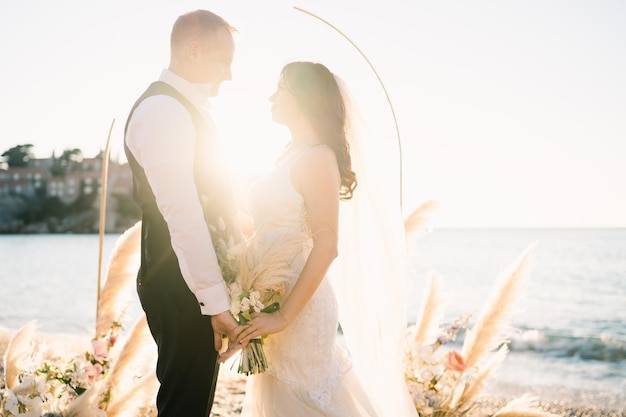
[94,164]
[83,178]
[23,180]
[69,187]
[41,162]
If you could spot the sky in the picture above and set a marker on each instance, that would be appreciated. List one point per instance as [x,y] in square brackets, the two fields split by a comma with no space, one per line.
[511,114]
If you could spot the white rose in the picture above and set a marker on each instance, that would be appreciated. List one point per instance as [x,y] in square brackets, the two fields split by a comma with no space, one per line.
[235,308]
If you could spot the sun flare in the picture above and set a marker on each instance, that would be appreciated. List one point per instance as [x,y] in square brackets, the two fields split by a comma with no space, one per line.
[250,140]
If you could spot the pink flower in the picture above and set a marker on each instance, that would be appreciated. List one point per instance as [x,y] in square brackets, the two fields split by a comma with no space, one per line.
[100,350]
[93,371]
[454,361]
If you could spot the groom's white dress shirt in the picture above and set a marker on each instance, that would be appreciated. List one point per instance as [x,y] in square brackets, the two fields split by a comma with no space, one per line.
[161,136]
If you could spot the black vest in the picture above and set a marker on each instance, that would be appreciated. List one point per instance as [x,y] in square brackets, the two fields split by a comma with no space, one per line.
[211,180]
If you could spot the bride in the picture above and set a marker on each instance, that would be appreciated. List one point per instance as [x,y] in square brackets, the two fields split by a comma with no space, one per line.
[320,190]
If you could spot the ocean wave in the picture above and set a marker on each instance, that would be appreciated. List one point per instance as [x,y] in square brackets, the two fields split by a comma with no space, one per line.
[588,348]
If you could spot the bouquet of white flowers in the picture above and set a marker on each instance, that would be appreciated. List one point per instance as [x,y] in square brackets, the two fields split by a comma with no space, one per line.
[258,273]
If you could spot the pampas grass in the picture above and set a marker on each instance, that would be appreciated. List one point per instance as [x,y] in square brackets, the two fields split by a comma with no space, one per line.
[475,385]
[487,333]
[121,271]
[128,387]
[86,405]
[18,350]
[132,383]
[442,388]
[418,218]
[266,265]
[139,400]
[430,311]
[522,407]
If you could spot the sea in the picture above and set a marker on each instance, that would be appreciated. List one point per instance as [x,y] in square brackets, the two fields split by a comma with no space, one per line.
[568,322]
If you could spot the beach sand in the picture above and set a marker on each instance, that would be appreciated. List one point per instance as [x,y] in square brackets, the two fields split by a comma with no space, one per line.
[231,390]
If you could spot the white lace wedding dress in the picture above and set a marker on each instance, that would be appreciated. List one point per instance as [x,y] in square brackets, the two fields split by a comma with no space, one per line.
[309,373]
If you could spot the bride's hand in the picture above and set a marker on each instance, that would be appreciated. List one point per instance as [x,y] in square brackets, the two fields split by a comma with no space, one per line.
[263,324]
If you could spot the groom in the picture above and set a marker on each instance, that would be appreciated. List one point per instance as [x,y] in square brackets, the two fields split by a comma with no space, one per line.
[171,148]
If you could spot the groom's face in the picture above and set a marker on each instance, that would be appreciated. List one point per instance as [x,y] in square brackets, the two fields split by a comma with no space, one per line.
[216,60]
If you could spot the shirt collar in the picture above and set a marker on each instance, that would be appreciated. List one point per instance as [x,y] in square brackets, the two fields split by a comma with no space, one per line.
[197,94]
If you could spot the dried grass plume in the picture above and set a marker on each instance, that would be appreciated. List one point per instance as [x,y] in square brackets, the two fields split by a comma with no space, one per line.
[487,333]
[418,218]
[17,351]
[431,310]
[121,272]
[525,406]
[132,384]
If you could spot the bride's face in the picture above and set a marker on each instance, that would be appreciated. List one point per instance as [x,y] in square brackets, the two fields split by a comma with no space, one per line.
[285,108]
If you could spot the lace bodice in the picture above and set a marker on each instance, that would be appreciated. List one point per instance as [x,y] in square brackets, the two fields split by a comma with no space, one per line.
[274,203]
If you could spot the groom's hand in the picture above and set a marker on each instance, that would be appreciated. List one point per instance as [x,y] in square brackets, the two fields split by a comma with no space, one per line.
[233,347]
[225,324]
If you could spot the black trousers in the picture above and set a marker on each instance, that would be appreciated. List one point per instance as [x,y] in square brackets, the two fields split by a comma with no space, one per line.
[187,366]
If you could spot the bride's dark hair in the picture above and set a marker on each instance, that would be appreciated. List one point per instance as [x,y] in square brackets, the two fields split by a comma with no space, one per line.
[316,91]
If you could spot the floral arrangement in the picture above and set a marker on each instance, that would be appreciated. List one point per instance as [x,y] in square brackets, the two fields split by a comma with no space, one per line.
[258,273]
[109,379]
[444,382]
[50,384]
[435,374]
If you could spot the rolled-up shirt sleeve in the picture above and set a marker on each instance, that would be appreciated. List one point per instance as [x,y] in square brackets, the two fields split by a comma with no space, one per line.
[161,136]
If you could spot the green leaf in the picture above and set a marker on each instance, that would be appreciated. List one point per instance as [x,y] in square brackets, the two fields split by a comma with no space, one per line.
[272,308]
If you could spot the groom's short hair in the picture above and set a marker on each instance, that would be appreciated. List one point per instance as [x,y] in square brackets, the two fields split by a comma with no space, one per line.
[197,25]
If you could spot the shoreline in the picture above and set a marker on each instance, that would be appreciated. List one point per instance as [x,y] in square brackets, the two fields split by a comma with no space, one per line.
[230,393]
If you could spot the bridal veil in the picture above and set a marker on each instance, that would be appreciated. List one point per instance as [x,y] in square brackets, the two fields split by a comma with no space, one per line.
[370,273]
